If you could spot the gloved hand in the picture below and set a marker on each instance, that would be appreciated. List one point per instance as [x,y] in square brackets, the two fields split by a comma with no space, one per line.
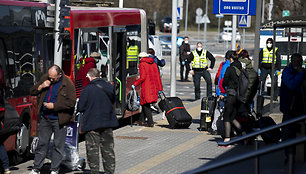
[159,92]
[259,72]
[277,72]
[183,62]
[133,86]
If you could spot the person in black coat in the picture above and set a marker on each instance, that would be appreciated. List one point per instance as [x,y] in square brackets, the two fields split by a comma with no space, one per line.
[96,102]
[230,84]
[184,62]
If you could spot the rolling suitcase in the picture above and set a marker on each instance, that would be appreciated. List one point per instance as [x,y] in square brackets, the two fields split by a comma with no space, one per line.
[272,136]
[176,114]
[208,106]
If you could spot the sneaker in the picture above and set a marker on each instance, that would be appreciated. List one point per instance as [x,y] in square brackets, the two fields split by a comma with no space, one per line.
[54,172]
[154,108]
[7,171]
[35,171]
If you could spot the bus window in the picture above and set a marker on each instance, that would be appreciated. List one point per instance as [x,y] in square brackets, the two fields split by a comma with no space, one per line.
[66,55]
[133,49]
[21,16]
[23,66]
[3,58]
[4,16]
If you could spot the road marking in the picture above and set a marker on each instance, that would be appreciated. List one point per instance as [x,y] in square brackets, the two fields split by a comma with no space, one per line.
[160,158]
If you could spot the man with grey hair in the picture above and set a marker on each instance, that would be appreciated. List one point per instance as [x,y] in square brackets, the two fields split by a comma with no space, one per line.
[56,106]
[98,121]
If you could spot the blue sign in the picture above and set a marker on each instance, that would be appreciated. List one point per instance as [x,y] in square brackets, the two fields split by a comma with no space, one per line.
[234,7]
[72,133]
[243,21]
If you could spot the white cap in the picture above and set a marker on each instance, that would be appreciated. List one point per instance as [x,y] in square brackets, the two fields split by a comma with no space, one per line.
[143,54]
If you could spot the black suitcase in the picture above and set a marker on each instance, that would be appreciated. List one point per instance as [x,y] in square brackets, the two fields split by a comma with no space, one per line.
[176,114]
[272,136]
[208,106]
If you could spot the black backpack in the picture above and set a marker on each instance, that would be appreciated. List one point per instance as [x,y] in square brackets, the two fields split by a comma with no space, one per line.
[243,84]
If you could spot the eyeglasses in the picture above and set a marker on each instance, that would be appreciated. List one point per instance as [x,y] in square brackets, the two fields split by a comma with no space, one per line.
[87,76]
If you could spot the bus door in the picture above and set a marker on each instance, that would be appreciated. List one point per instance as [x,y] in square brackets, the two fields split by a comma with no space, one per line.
[118,56]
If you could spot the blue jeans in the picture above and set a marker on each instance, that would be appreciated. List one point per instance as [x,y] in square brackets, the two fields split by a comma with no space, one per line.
[197,82]
[3,157]
[45,129]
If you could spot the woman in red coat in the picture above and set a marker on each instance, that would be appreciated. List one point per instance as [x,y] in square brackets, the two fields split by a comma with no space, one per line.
[150,86]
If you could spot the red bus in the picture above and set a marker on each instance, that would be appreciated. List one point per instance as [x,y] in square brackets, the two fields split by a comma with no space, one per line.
[26,52]
[107,31]
[24,57]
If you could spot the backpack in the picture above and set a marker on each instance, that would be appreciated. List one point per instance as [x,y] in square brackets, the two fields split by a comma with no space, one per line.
[243,84]
[132,100]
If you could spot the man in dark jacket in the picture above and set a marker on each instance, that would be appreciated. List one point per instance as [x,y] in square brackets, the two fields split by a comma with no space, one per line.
[184,62]
[96,101]
[56,106]
[292,103]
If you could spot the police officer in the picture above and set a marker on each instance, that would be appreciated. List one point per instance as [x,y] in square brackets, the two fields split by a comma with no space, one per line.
[132,56]
[200,69]
[265,65]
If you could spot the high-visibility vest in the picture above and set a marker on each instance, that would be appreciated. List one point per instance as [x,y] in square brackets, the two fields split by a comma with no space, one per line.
[199,61]
[268,55]
[132,53]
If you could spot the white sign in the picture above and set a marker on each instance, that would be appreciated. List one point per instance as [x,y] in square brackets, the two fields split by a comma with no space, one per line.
[199,11]
[199,19]
[205,19]
[228,23]
[180,3]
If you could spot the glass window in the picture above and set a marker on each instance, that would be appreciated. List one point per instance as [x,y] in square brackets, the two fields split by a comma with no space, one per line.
[21,15]
[3,66]
[4,16]
[133,49]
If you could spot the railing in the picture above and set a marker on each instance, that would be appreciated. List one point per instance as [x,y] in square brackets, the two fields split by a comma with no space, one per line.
[257,152]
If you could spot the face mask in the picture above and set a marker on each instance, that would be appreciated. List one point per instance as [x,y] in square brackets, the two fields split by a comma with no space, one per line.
[199,49]
[295,67]
[269,45]
[186,42]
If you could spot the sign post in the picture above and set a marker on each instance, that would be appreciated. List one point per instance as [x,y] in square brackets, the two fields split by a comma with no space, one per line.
[219,16]
[199,13]
[244,21]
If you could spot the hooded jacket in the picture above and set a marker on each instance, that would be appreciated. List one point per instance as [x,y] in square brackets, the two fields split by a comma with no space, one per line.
[231,79]
[149,80]
[291,92]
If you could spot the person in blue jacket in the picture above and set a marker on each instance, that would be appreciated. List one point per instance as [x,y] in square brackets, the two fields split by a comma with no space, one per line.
[292,97]
[225,65]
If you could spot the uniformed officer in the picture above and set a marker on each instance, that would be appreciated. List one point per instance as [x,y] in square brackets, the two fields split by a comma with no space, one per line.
[200,69]
[132,57]
[265,65]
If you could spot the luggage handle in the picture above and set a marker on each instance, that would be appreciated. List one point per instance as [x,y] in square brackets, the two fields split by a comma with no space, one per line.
[162,95]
